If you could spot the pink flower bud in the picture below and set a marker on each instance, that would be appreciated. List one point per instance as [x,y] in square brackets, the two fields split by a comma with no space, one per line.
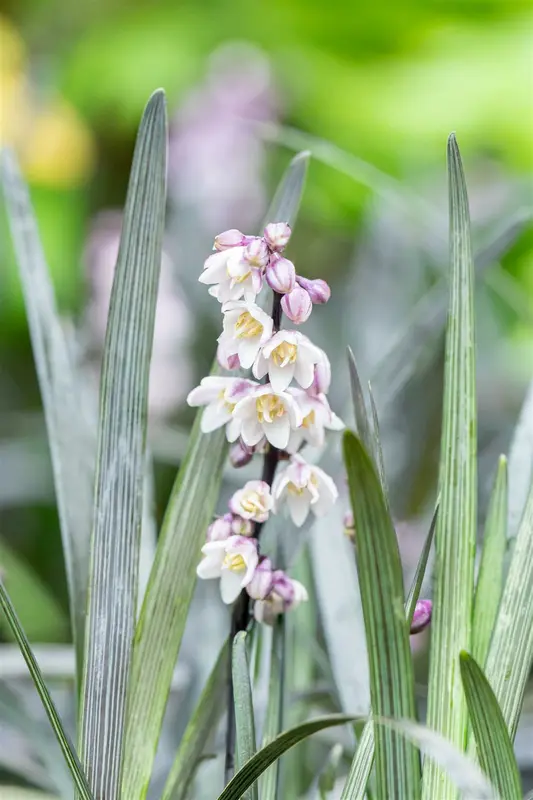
[241,527]
[422,616]
[261,583]
[297,305]
[240,454]
[256,253]
[220,529]
[283,587]
[226,361]
[277,235]
[321,376]
[349,528]
[281,275]
[318,290]
[231,238]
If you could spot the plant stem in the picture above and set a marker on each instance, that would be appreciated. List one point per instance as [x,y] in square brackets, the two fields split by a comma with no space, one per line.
[240,617]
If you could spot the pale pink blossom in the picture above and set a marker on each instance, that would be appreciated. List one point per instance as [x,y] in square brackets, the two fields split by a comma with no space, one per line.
[317,289]
[246,328]
[230,238]
[285,594]
[317,417]
[253,501]
[220,396]
[303,488]
[233,561]
[322,376]
[261,583]
[422,615]
[267,413]
[287,355]
[220,529]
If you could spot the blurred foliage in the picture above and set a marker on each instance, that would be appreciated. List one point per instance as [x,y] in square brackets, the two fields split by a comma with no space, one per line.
[384,81]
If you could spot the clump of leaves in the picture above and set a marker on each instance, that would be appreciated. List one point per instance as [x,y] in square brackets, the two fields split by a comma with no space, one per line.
[482,636]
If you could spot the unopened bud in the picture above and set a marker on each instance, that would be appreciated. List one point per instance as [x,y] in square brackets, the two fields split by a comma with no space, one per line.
[261,583]
[240,454]
[349,527]
[220,529]
[318,290]
[297,305]
[281,275]
[422,616]
[321,376]
[277,235]
[241,527]
[226,361]
[256,253]
[231,238]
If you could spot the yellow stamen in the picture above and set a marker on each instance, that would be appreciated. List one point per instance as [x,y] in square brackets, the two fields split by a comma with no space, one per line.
[246,326]
[252,503]
[235,563]
[284,354]
[268,405]
[227,405]
[309,420]
[241,278]
[293,489]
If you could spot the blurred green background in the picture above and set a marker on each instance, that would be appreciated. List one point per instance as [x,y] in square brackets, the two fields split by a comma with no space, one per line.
[385,82]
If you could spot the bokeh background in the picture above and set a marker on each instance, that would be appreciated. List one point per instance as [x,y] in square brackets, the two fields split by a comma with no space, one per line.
[373,90]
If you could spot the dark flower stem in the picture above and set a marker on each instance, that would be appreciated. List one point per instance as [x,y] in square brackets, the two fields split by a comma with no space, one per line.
[240,618]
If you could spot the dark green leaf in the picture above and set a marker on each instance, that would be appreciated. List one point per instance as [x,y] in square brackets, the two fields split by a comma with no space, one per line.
[253,768]
[200,727]
[456,526]
[362,423]
[69,754]
[269,783]
[494,748]
[382,595]
[121,460]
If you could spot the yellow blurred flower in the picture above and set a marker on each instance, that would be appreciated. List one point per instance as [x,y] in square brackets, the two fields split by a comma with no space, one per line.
[54,144]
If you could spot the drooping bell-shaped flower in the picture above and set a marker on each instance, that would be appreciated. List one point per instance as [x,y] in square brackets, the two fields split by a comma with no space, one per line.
[233,561]
[287,355]
[246,328]
[297,305]
[253,501]
[267,413]
[303,488]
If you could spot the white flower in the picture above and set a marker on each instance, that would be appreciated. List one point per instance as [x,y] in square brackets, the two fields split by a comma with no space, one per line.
[287,355]
[253,501]
[284,595]
[220,529]
[220,395]
[304,488]
[231,277]
[261,583]
[233,561]
[317,417]
[246,329]
[322,376]
[267,413]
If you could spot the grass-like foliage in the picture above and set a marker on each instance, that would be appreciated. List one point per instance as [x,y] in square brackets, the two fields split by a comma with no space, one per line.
[481,631]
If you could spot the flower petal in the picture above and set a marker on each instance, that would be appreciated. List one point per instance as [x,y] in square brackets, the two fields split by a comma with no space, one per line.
[230,586]
[278,432]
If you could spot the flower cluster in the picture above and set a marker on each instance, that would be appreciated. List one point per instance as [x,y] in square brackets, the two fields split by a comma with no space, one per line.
[275,414]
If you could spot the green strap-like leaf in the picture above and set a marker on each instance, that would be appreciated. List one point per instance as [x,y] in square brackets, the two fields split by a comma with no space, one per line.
[253,768]
[244,709]
[76,770]
[520,464]
[382,596]
[121,459]
[456,526]
[511,648]
[200,727]
[380,462]
[364,430]
[494,748]
[286,201]
[328,776]
[269,782]
[490,578]
[67,400]
[171,583]
[361,767]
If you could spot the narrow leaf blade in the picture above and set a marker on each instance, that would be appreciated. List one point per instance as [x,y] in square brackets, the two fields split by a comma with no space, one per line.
[67,402]
[69,754]
[286,201]
[382,596]
[361,766]
[364,431]
[494,747]
[121,459]
[269,783]
[490,578]
[253,768]
[456,526]
[244,709]
[200,727]
[511,648]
